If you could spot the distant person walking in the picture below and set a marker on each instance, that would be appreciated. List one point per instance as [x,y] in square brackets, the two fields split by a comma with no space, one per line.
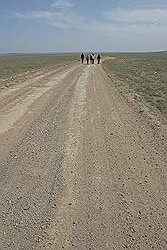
[90,58]
[93,58]
[82,58]
[87,58]
[98,58]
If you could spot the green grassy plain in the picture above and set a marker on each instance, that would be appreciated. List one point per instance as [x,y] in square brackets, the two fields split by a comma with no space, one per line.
[144,75]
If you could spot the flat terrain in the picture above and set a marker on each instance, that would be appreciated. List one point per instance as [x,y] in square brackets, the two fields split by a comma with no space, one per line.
[15,68]
[81,167]
[144,75]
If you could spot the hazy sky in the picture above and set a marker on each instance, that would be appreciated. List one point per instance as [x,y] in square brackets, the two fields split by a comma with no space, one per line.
[82,25]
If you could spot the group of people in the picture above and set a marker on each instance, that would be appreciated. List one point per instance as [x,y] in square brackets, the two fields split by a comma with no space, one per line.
[90,58]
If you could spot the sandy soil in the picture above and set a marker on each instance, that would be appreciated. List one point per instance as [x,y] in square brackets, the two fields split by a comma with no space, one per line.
[80,167]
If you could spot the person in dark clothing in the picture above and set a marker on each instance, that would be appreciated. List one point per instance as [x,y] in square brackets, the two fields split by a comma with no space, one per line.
[93,58]
[82,58]
[98,58]
[87,58]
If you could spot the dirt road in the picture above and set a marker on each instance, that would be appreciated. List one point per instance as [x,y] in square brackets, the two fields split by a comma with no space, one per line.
[80,167]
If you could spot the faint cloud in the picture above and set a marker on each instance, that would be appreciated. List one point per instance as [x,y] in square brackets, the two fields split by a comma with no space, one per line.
[62,4]
[113,22]
[138,16]
[61,19]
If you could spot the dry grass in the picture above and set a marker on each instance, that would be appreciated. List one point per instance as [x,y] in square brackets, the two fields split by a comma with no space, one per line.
[145,75]
[12,66]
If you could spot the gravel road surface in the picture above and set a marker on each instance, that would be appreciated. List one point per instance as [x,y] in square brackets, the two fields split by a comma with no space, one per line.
[80,167]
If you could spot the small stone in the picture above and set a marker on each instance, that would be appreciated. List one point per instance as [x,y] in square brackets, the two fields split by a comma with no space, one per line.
[26,208]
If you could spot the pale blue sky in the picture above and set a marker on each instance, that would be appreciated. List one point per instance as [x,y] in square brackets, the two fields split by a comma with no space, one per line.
[82,25]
